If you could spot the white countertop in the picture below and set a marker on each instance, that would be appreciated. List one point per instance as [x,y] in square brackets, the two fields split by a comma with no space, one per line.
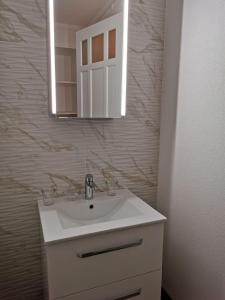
[54,231]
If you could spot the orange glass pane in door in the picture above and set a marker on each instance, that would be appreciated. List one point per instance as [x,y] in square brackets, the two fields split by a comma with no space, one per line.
[112,43]
[84,52]
[98,48]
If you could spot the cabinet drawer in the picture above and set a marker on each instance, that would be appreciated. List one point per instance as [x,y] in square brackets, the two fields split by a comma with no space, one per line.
[82,264]
[144,287]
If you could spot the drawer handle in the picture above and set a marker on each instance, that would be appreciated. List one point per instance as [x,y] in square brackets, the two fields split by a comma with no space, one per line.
[129,296]
[125,246]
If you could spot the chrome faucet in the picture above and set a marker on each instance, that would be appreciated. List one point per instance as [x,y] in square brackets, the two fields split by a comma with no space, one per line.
[89,187]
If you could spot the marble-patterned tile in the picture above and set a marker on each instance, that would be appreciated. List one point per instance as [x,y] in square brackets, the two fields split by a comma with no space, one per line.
[40,153]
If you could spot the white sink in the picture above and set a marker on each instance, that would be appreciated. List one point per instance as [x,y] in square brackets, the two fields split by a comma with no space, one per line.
[72,219]
[102,209]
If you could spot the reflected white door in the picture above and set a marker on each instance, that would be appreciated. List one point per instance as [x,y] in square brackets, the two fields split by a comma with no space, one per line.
[99,69]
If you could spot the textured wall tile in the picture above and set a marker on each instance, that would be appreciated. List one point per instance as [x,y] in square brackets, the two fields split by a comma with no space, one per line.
[39,153]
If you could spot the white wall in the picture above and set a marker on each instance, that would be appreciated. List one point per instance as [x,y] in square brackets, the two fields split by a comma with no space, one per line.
[192,157]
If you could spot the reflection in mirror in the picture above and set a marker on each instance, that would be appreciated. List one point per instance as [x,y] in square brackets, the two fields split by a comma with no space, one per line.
[84,52]
[88,58]
[112,44]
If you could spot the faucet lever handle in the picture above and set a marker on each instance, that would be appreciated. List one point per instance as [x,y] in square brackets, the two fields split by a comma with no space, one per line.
[89,179]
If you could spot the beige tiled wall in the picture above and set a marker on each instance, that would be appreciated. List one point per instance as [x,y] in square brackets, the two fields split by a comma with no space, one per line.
[39,153]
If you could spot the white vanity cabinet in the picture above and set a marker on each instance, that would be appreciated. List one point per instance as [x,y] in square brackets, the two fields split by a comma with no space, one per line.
[108,248]
[116,265]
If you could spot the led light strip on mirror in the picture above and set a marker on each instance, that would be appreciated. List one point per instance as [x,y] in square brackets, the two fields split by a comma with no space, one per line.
[52,55]
[125,54]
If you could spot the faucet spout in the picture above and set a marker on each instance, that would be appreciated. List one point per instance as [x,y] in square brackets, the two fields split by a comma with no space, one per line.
[89,187]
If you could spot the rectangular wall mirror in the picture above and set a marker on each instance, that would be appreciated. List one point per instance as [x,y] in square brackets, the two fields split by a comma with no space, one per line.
[88,41]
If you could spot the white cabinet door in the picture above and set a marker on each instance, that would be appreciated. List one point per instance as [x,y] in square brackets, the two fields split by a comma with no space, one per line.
[145,287]
[99,68]
[83,264]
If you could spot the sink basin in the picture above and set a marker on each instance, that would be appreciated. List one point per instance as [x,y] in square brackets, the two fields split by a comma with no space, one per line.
[103,209]
[67,219]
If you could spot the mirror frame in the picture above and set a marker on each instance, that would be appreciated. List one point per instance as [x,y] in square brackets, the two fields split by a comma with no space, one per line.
[52,58]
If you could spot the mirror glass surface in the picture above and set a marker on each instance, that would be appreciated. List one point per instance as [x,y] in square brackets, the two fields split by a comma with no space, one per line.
[88,41]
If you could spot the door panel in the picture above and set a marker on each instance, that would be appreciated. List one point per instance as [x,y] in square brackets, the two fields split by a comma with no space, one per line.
[99,52]
[84,52]
[98,95]
[97,48]
[114,107]
[85,96]
[112,44]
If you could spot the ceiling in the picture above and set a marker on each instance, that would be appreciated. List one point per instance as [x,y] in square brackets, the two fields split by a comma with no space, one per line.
[79,12]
